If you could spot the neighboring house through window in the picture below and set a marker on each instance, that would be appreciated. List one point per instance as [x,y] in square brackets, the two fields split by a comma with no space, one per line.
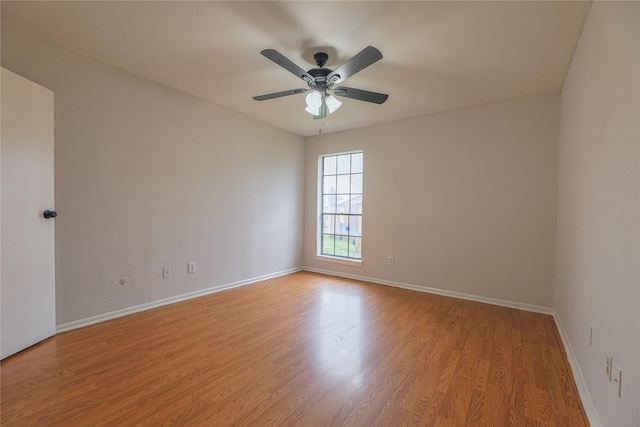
[341,181]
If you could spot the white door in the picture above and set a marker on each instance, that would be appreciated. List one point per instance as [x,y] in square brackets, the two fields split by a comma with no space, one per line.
[27,267]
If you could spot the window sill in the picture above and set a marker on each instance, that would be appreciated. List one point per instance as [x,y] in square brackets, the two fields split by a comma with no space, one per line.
[337,260]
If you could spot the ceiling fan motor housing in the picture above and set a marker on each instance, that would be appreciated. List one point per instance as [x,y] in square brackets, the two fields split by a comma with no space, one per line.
[320,58]
[320,75]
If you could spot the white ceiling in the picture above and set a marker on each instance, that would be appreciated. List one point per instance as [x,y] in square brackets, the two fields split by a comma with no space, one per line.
[437,55]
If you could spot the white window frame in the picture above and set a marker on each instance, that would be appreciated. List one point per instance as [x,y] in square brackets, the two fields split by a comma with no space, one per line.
[353,262]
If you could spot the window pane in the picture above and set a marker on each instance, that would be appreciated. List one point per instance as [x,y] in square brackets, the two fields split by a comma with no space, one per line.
[356,183]
[329,167]
[356,205]
[329,185]
[355,247]
[329,204]
[328,224]
[343,184]
[328,245]
[342,204]
[356,163]
[355,225]
[344,163]
[342,246]
[342,222]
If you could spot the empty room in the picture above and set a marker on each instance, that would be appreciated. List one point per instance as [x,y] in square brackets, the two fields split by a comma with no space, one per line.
[320,213]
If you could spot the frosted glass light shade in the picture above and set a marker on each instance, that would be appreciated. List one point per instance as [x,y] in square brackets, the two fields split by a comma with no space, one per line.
[332,103]
[312,110]
[314,102]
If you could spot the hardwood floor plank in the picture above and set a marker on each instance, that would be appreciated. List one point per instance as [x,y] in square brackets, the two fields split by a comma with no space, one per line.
[300,350]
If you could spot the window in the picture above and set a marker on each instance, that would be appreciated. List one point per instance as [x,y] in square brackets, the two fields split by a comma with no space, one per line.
[341,213]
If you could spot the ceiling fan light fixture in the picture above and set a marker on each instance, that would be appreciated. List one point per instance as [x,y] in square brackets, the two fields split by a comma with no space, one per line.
[332,103]
[322,111]
[314,102]
[319,105]
[312,110]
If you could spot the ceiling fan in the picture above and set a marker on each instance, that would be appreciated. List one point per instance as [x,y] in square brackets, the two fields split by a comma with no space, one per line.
[321,81]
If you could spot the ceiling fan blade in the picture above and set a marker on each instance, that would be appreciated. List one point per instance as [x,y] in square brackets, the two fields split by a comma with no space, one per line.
[287,64]
[359,62]
[361,95]
[279,94]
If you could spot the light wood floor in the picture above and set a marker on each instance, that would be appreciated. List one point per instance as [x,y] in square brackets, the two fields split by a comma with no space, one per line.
[303,350]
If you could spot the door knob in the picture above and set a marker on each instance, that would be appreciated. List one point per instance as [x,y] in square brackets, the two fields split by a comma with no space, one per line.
[49,214]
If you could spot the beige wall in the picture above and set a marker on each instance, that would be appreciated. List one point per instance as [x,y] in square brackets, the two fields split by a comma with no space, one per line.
[597,278]
[464,200]
[148,177]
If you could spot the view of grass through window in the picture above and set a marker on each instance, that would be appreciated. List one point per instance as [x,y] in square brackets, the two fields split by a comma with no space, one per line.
[341,233]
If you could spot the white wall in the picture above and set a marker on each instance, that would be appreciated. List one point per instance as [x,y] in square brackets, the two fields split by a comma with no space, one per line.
[148,177]
[464,200]
[598,254]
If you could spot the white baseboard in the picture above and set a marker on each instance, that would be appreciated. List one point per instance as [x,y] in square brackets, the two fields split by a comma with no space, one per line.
[166,301]
[436,291]
[583,391]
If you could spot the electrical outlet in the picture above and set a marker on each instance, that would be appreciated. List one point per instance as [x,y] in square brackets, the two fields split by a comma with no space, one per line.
[390,260]
[590,334]
[617,377]
[191,267]
[166,272]
[609,366]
